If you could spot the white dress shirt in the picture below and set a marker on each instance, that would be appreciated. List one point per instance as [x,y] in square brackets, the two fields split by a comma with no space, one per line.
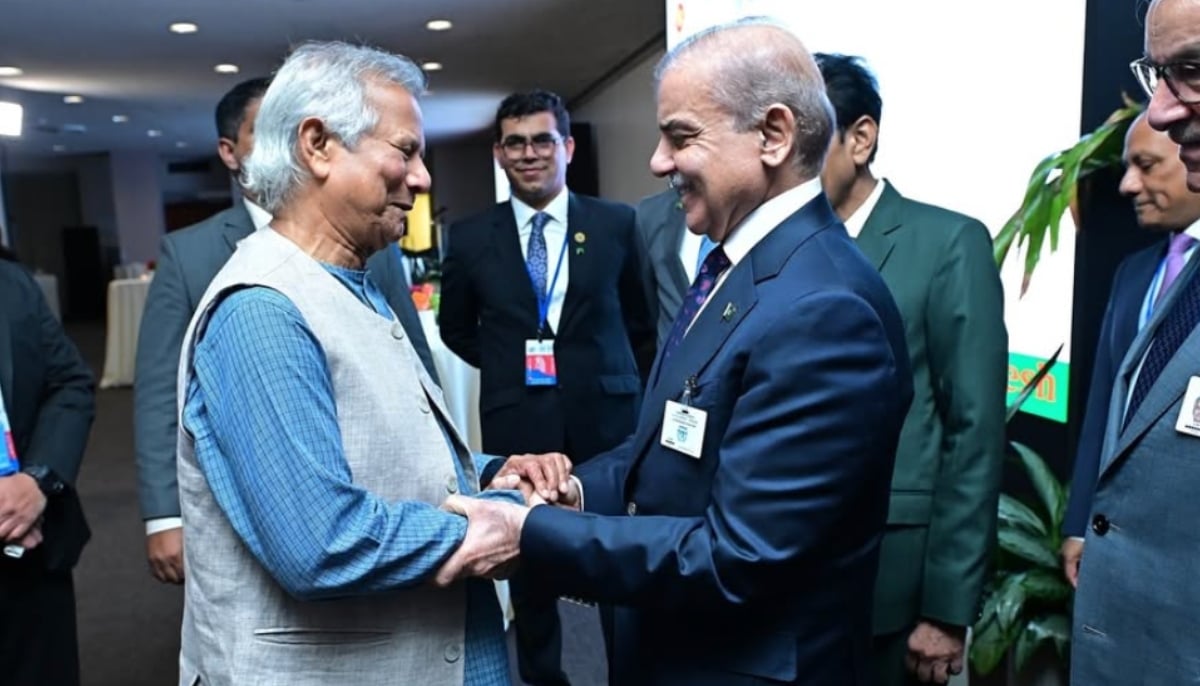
[689,253]
[555,232]
[855,222]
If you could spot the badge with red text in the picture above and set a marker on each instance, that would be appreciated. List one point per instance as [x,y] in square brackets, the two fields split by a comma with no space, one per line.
[539,363]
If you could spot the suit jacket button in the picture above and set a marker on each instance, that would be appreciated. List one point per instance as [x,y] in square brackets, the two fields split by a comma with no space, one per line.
[1100,524]
[398,331]
[452,484]
[453,652]
[631,508]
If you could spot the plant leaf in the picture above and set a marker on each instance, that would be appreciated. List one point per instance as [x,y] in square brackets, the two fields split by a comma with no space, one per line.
[1010,601]
[1015,514]
[988,646]
[1045,484]
[1027,547]
[1046,586]
[1032,385]
[1054,629]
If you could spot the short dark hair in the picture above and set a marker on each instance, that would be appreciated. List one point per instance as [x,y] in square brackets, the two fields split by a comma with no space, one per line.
[852,89]
[231,111]
[534,102]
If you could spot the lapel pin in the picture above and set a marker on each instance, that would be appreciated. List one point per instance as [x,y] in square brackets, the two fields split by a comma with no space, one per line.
[580,238]
[730,310]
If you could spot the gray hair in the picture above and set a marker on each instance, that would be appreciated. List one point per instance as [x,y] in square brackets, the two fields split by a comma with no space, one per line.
[747,77]
[327,81]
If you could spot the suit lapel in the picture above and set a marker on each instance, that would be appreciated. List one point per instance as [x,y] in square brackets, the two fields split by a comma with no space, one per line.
[237,224]
[578,261]
[876,241]
[6,361]
[673,230]
[1167,389]
[506,247]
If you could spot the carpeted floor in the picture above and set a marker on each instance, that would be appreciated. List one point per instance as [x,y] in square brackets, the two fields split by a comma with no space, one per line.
[128,622]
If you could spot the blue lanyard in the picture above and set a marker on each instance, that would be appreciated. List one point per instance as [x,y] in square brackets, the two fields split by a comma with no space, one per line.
[544,298]
[1151,296]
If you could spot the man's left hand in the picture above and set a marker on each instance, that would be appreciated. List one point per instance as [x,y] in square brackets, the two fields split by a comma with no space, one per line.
[935,651]
[545,475]
[21,506]
[492,543]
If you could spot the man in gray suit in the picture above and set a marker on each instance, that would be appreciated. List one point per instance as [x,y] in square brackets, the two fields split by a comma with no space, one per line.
[670,257]
[188,260]
[1135,607]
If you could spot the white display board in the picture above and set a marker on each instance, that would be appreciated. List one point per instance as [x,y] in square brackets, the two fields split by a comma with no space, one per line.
[969,108]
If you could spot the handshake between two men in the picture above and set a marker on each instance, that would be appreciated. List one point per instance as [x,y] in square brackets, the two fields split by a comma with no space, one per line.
[493,542]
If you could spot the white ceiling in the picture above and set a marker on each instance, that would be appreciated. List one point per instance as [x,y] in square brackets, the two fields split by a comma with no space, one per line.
[120,56]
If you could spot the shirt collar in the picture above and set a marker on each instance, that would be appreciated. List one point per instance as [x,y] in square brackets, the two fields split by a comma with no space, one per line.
[766,217]
[259,217]
[857,221]
[557,209]
[1194,230]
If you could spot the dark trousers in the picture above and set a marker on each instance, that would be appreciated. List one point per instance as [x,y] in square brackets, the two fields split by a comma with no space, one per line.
[539,635]
[888,653]
[38,641]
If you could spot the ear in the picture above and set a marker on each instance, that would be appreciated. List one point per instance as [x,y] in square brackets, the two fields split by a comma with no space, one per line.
[569,148]
[862,136]
[316,146]
[498,153]
[225,148]
[778,135]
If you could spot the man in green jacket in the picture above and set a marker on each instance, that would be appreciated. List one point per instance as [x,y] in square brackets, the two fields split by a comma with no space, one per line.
[942,514]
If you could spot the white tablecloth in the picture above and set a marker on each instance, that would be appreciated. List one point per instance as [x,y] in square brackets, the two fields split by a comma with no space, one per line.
[126,300]
[49,285]
[460,382]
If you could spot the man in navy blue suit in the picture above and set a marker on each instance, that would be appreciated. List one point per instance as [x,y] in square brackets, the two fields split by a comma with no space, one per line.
[1156,180]
[737,530]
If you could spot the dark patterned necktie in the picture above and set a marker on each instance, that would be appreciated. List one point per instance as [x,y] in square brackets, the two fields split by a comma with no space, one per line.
[697,293]
[1175,327]
[535,254]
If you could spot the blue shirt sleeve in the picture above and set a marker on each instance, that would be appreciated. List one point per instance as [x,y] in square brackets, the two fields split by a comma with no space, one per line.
[260,405]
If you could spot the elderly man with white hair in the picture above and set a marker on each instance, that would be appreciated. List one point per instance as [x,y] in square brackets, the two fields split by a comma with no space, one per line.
[314,449]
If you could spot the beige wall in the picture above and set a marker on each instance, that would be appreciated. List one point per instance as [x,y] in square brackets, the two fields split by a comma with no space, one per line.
[622,116]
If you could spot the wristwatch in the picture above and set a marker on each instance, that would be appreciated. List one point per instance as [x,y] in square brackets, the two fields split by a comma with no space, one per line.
[47,481]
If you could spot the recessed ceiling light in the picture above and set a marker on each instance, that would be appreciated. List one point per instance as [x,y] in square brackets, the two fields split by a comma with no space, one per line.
[154,133]
[181,144]
[120,118]
[226,69]
[439,25]
[72,99]
[432,66]
[183,27]
[7,70]
[59,148]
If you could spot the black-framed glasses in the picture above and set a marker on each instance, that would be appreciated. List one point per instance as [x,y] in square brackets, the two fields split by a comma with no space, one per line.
[1182,78]
[543,145]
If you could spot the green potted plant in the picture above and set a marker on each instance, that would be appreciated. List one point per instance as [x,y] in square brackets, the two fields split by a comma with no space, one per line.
[1027,602]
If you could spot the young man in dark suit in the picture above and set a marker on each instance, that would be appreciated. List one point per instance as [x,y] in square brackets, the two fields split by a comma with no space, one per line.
[942,516]
[49,403]
[188,260]
[548,276]
[1156,181]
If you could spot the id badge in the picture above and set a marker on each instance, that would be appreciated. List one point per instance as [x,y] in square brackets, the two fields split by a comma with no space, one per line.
[683,429]
[539,363]
[1189,413]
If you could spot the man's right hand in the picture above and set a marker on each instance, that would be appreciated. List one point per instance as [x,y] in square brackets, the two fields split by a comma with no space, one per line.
[1072,553]
[164,552]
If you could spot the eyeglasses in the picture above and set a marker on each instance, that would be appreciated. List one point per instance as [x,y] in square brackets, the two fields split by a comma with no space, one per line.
[1182,78]
[543,145]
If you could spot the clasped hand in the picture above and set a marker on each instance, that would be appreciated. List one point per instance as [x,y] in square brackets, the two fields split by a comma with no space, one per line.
[21,506]
[493,540]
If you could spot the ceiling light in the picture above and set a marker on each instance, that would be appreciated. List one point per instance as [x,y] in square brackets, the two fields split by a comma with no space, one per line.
[60,148]
[432,66]
[226,69]
[181,144]
[439,25]
[10,119]
[182,27]
[120,118]
[10,71]
[72,99]
[154,133]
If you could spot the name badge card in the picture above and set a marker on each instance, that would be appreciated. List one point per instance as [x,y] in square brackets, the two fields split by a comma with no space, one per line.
[539,363]
[1189,413]
[683,429]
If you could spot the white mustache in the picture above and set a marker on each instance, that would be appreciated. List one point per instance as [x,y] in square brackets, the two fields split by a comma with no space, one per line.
[678,183]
